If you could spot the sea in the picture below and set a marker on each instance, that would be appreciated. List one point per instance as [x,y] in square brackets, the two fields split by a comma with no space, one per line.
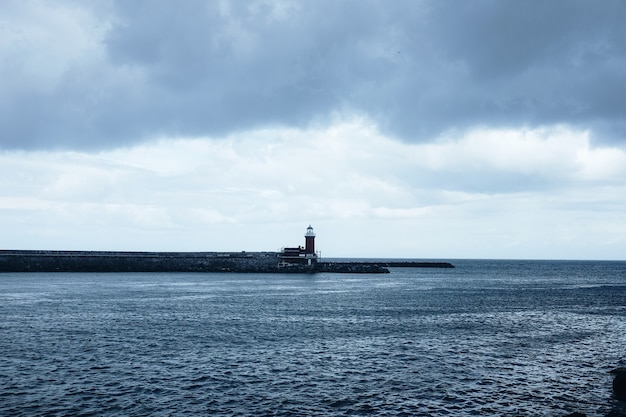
[488,337]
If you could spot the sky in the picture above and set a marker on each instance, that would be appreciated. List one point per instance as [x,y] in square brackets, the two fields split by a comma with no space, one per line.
[436,129]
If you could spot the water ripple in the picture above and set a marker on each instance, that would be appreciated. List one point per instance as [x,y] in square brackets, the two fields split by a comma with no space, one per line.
[133,344]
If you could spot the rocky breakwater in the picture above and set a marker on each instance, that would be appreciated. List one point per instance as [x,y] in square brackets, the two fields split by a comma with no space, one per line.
[411,264]
[378,267]
[350,268]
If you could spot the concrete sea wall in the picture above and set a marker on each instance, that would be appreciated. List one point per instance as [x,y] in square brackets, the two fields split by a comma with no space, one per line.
[88,261]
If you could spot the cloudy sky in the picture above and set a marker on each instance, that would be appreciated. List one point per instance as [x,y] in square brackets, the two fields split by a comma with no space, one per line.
[420,129]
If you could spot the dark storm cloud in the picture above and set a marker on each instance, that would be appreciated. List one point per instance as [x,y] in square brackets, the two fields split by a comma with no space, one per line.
[416,68]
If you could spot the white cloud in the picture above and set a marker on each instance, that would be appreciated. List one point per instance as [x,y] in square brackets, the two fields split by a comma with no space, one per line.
[523,158]
[602,164]
[367,194]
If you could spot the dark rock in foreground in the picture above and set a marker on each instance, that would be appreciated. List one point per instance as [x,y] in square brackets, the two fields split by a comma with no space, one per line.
[619,389]
[619,383]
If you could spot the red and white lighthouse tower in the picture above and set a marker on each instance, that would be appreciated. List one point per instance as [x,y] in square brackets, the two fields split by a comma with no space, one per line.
[309,241]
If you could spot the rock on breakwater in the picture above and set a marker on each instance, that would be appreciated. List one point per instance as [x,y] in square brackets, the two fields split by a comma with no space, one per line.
[410,264]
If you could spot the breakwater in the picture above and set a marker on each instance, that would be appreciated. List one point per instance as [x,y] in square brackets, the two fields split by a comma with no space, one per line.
[375,267]
[410,264]
[108,261]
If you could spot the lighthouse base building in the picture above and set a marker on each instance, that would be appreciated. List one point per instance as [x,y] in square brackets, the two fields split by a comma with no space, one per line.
[301,255]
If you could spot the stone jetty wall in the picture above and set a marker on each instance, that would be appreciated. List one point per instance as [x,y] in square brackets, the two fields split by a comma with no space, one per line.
[87,261]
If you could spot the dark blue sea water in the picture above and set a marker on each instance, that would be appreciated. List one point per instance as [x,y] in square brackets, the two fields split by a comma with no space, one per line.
[501,338]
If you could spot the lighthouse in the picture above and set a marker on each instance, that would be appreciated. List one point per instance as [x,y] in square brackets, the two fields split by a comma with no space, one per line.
[301,255]
[309,241]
